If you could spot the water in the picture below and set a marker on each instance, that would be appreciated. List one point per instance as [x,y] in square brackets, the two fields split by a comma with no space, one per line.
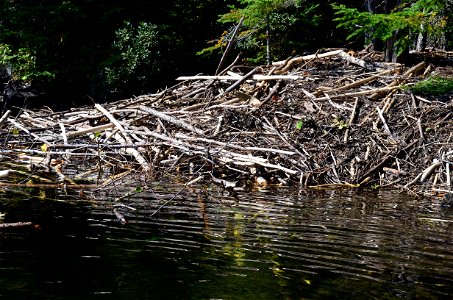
[210,244]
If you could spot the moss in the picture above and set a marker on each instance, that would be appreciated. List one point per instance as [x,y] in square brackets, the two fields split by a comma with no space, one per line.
[433,86]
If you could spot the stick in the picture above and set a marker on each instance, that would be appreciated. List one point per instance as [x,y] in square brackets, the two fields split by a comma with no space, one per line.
[124,138]
[447,167]
[19,126]
[356,61]
[240,81]
[386,128]
[5,116]
[300,59]
[257,77]
[355,83]
[231,65]
[230,44]
[272,92]
[90,130]
[351,119]
[16,224]
[384,160]
[110,117]
[361,93]
[259,149]
[170,119]
[287,142]
[396,82]
[427,172]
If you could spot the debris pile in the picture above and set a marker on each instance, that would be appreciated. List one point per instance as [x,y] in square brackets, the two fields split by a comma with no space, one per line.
[332,119]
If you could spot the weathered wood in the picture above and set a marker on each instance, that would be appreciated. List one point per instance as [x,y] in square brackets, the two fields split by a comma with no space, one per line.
[297,60]
[229,46]
[360,93]
[256,77]
[171,119]
[236,126]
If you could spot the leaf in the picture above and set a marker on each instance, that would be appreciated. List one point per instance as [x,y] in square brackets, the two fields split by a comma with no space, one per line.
[42,194]
[299,124]
[44,147]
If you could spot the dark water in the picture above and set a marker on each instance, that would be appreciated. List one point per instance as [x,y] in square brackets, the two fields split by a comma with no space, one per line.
[209,244]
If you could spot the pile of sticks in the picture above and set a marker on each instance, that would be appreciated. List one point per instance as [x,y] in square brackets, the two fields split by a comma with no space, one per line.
[325,120]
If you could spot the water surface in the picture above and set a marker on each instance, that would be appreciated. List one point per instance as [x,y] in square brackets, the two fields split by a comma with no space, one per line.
[206,243]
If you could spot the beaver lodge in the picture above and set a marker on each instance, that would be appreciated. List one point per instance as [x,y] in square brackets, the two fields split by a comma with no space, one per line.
[328,120]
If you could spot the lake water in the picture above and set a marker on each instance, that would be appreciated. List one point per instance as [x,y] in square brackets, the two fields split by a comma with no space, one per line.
[206,243]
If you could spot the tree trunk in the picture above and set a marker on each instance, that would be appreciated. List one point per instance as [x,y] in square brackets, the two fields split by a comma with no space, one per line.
[391,54]
[268,41]
[374,7]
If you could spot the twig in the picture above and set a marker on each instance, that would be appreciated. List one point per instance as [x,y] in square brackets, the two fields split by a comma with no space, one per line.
[5,116]
[19,126]
[352,118]
[230,44]
[386,128]
[239,82]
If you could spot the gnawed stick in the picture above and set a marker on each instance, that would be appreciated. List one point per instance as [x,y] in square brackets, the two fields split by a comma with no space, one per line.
[124,138]
[272,92]
[240,159]
[353,84]
[361,93]
[239,82]
[16,224]
[221,154]
[356,61]
[132,151]
[381,116]
[428,171]
[352,118]
[111,118]
[171,119]
[230,44]
[258,149]
[19,126]
[229,77]
[84,131]
[397,82]
[5,116]
[297,60]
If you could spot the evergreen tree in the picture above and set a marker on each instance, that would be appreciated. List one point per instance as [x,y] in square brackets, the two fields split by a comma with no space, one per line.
[273,28]
[398,25]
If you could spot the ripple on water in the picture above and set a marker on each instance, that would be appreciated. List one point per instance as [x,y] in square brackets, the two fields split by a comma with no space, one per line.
[333,244]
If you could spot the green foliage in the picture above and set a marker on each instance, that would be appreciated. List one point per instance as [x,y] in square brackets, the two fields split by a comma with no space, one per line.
[433,86]
[291,23]
[21,63]
[408,19]
[299,125]
[74,40]
[135,51]
[339,123]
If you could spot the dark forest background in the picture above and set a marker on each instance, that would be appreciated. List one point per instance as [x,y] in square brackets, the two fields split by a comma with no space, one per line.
[77,52]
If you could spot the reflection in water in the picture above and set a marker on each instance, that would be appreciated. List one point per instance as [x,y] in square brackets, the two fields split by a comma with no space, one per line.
[250,245]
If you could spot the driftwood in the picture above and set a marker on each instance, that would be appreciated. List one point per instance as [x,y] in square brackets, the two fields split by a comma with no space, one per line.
[332,119]
[16,224]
